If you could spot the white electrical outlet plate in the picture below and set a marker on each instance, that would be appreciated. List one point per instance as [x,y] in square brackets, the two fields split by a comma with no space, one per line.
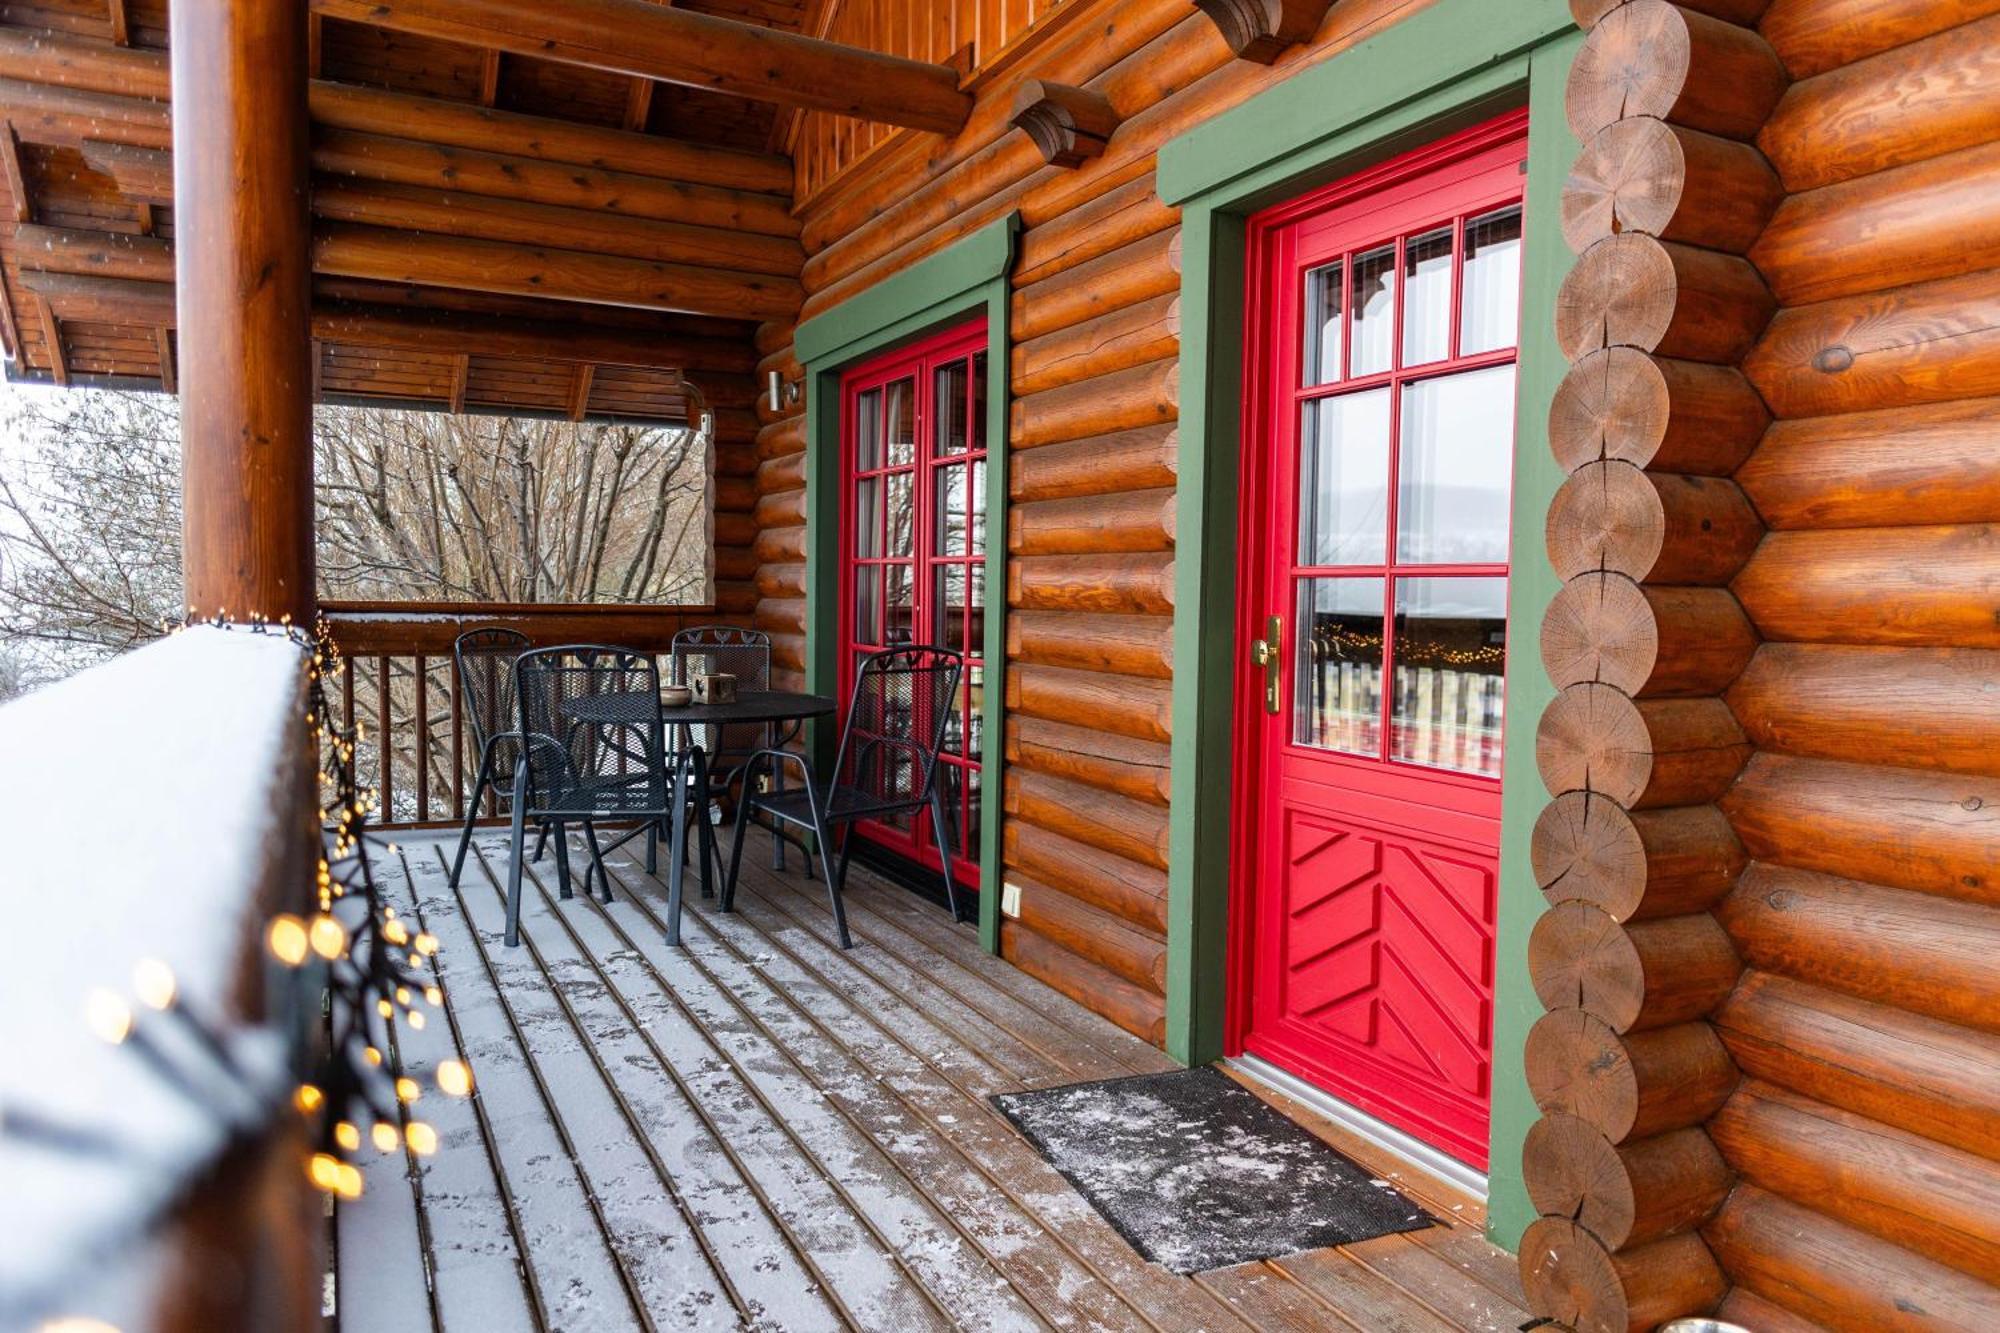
[1010,900]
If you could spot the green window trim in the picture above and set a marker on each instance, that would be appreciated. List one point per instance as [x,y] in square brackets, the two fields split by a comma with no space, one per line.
[1447,67]
[964,280]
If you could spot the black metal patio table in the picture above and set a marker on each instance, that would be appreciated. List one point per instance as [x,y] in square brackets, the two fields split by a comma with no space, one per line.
[752,706]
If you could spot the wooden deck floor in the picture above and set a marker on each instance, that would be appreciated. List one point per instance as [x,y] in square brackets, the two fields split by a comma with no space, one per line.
[760,1131]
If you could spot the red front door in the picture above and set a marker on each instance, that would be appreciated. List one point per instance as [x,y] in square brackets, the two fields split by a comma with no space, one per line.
[1376,494]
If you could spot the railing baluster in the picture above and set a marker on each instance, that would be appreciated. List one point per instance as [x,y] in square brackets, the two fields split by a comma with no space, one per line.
[457,744]
[423,742]
[385,738]
[347,694]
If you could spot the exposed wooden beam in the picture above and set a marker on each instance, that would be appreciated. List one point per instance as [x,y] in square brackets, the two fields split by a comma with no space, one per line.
[93,253]
[1261,30]
[163,338]
[1067,125]
[134,83]
[127,301]
[489,77]
[579,390]
[121,26]
[638,104]
[647,40]
[569,275]
[143,175]
[52,340]
[461,379]
[18,204]
[45,113]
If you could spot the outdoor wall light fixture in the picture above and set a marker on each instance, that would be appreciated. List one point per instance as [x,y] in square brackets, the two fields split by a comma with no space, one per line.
[784,392]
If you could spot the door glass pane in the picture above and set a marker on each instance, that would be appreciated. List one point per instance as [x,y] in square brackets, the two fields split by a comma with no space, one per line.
[1324,325]
[949,505]
[976,425]
[868,431]
[1451,658]
[1337,687]
[1491,318]
[900,612]
[1457,468]
[1374,304]
[868,517]
[968,845]
[975,642]
[1427,297]
[868,603]
[974,691]
[977,504]
[1344,479]
[902,513]
[899,426]
[948,606]
[949,408]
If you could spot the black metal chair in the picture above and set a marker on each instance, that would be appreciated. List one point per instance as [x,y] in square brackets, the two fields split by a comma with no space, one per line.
[485,662]
[887,764]
[745,654]
[593,748]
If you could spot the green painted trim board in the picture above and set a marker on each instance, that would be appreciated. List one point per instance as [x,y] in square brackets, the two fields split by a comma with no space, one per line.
[958,282]
[1448,67]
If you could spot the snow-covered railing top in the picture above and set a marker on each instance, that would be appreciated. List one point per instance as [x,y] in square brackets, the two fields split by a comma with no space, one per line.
[148,809]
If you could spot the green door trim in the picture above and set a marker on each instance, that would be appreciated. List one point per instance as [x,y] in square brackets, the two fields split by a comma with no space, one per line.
[1448,67]
[966,279]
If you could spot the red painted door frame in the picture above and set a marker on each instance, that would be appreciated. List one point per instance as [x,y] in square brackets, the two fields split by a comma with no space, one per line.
[1444,825]
[919,362]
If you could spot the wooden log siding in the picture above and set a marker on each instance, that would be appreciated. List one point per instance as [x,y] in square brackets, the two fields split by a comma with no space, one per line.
[1829,910]
[1639,746]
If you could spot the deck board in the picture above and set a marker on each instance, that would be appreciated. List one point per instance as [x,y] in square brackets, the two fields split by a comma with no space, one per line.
[760,1130]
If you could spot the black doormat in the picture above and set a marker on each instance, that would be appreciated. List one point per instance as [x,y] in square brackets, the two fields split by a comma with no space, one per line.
[1198,1173]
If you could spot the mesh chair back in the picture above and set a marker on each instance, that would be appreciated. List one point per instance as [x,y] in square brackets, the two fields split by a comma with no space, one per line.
[590,716]
[485,661]
[903,699]
[707,650]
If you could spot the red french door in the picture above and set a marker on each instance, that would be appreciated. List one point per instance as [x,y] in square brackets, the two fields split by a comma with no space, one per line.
[913,538]
[1380,426]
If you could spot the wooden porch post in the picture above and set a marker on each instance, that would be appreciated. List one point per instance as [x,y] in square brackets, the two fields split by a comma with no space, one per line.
[244,282]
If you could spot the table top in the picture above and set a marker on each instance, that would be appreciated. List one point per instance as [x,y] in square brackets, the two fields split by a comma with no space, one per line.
[748,706]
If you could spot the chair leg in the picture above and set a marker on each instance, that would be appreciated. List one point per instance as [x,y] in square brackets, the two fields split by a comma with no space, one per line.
[944,853]
[471,818]
[707,850]
[516,838]
[653,848]
[675,869]
[541,841]
[562,861]
[833,880]
[596,863]
[743,822]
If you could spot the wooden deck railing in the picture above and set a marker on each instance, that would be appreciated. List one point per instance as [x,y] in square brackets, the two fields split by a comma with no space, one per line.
[399,681]
[154,813]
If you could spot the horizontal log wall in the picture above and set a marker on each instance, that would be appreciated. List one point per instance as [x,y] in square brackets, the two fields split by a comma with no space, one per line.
[1833,906]
[1095,327]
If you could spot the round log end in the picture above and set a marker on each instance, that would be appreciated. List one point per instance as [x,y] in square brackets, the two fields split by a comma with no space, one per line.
[1572,1171]
[1579,958]
[1629,177]
[1607,516]
[1578,1066]
[1600,627]
[1634,63]
[1586,849]
[1568,1277]
[1593,738]
[1622,292]
[1613,404]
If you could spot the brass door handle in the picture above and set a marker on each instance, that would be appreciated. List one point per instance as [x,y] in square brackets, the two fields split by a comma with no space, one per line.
[1266,652]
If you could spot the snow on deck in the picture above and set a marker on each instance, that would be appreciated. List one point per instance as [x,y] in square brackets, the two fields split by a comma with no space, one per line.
[763,1131]
[136,801]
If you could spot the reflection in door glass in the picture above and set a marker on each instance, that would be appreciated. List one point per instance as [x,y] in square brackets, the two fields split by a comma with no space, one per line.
[1449,690]
[1491,318]
[949,408]
[1323,325]
[1344,479]
[1427,297]
[900,422]
[1374,306]
[1456,469]
[868,431]
[1337,682]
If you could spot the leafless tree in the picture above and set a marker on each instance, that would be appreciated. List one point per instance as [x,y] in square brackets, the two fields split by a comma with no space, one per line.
[412,506]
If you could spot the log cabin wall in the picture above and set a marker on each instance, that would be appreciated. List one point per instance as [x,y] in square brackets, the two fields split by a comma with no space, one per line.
[1094,325]
[1770,1074]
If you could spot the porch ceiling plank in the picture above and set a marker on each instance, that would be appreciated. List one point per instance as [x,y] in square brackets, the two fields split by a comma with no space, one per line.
[647,40]
[73,81]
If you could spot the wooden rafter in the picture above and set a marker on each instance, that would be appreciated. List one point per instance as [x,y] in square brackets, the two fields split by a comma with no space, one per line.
[647,40]
[52,340]
[461,378]
[1261,30]
[579,390]
[17,182]
[121,25]
[163,339]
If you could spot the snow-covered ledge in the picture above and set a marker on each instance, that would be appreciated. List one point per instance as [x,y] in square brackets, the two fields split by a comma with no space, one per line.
[154,812]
